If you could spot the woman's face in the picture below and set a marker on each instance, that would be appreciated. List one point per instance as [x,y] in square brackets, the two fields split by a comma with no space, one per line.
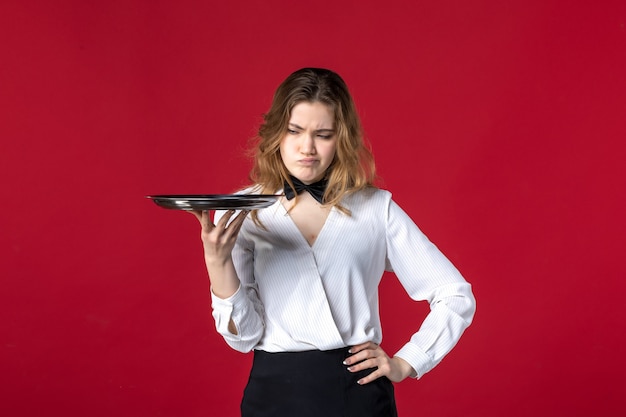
[308,147]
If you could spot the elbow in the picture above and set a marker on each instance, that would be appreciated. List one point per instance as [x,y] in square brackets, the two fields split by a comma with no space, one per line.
[459,299]
[470,309]
[240,347]
[245,338]
[243,345]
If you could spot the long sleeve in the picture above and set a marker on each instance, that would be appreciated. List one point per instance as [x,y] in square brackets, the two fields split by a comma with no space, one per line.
[427,274]
[244,307]
[295,296]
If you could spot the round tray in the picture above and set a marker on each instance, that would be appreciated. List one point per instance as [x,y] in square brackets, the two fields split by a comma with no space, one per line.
[214,201]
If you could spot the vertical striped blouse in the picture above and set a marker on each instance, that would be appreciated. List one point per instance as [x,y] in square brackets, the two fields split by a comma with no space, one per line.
[296,297]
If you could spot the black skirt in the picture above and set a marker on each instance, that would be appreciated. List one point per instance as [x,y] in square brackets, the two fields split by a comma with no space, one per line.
[313,383]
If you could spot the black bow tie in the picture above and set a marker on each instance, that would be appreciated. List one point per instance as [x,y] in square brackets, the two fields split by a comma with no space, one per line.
[316,189]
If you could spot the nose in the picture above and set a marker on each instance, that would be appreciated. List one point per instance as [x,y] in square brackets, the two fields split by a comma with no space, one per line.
[307,145]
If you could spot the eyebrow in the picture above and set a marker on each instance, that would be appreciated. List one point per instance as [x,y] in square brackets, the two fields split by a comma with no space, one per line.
[317,130]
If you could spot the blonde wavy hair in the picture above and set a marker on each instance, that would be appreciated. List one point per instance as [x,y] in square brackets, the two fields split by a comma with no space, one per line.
[352,168]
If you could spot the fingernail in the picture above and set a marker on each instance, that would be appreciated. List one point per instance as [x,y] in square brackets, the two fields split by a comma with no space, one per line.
[345,363]
[349,350]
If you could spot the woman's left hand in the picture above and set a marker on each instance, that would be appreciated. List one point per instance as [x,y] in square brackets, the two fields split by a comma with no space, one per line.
[369,355]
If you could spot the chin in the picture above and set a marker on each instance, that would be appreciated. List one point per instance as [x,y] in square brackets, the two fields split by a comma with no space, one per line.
[305,176]
[309,179]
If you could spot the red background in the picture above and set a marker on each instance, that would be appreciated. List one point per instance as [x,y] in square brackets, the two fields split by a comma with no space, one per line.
[498,125]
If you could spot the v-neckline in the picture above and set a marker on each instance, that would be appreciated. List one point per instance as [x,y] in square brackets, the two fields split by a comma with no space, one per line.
[295,226]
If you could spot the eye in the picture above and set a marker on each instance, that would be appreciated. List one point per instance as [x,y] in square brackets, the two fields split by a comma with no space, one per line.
[324,136]
[292,132]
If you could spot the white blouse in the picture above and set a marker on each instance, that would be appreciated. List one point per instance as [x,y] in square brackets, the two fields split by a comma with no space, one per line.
[296,297]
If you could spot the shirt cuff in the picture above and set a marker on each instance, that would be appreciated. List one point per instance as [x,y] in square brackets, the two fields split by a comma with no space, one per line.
[223,309]
[419,360]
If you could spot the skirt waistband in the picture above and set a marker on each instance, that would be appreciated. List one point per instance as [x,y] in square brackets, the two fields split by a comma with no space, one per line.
[313,383]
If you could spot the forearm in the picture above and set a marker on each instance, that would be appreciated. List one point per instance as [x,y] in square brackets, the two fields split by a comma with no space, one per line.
[450,315]
[223,276]
[224,282]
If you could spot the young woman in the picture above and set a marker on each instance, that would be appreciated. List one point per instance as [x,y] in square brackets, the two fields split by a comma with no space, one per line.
[297,282]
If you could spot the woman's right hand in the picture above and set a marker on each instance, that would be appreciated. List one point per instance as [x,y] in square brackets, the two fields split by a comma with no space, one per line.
[218,241]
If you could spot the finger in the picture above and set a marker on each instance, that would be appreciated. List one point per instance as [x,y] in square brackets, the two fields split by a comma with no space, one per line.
[238,222]
[203,218]
[234,225]
[225,219]
[362,352]
[364,365]
[363,346]
[370,377]
[206,222]
[358,358]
